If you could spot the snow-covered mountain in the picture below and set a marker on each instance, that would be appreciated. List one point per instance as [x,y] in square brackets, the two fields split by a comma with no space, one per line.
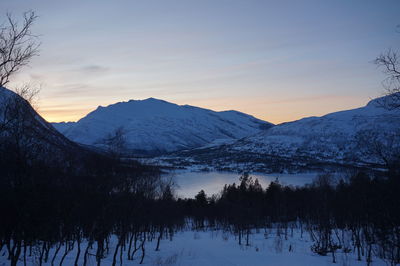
[157,126]
[366,135]
[334,135]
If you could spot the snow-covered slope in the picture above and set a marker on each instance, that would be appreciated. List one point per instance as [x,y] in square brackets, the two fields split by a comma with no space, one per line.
[12,106]
[154,125]
[219,248]
[331,136]
[34,134]
[359,136]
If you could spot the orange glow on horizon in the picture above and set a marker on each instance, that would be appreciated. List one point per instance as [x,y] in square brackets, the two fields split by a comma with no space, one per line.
[272,110]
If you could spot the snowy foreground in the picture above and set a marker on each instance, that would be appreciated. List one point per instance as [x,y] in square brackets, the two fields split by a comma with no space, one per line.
[219,248]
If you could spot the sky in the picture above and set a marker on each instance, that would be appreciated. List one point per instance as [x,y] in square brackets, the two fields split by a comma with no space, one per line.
[276,60]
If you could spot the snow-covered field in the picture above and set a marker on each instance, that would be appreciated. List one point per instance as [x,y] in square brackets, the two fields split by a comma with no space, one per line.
[217,248]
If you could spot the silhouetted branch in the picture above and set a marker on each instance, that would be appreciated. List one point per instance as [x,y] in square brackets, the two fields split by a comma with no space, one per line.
[17,45]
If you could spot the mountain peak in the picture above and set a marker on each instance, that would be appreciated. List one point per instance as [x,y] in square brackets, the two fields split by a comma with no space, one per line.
[151,99]
[132,105]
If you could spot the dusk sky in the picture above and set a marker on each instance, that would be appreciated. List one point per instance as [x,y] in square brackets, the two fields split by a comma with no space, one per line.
[276,60]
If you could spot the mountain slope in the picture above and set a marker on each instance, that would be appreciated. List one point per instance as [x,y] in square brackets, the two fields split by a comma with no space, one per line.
[363,136]
[332,135]
[23,132]
[157,126]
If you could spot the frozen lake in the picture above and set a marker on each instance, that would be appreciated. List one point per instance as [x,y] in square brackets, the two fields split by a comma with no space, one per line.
[190,183]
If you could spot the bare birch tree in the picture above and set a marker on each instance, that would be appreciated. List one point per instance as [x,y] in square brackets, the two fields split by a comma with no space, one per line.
[17,45]
[389,61]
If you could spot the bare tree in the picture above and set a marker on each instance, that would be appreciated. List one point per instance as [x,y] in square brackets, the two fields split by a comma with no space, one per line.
[381,146]
[28,92]
[17,45]
[19,123]
[390,62]
[116,141]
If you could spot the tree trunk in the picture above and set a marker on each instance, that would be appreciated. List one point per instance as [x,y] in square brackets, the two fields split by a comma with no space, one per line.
[369,254]
[100,250]
[121,250]
[130,247]
[86,253]
[136,248]
[55,253]
[159,239]
[66,251]
[47,252]
[78,252]
[42,251]
[14,253]
[143,250]
[24,253]
[115,253]
[247,237]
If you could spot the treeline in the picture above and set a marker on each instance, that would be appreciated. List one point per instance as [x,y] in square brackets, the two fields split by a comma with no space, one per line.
[117,208]
[364,209]
[46,207]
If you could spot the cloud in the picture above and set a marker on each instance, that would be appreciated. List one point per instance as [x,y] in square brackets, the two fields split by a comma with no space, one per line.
[93,69]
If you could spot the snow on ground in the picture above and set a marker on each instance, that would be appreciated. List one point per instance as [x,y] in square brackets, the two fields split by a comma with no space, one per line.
[217,248]
[199,248]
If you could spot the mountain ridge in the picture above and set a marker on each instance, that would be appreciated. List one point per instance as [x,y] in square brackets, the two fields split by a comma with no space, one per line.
[157,126]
